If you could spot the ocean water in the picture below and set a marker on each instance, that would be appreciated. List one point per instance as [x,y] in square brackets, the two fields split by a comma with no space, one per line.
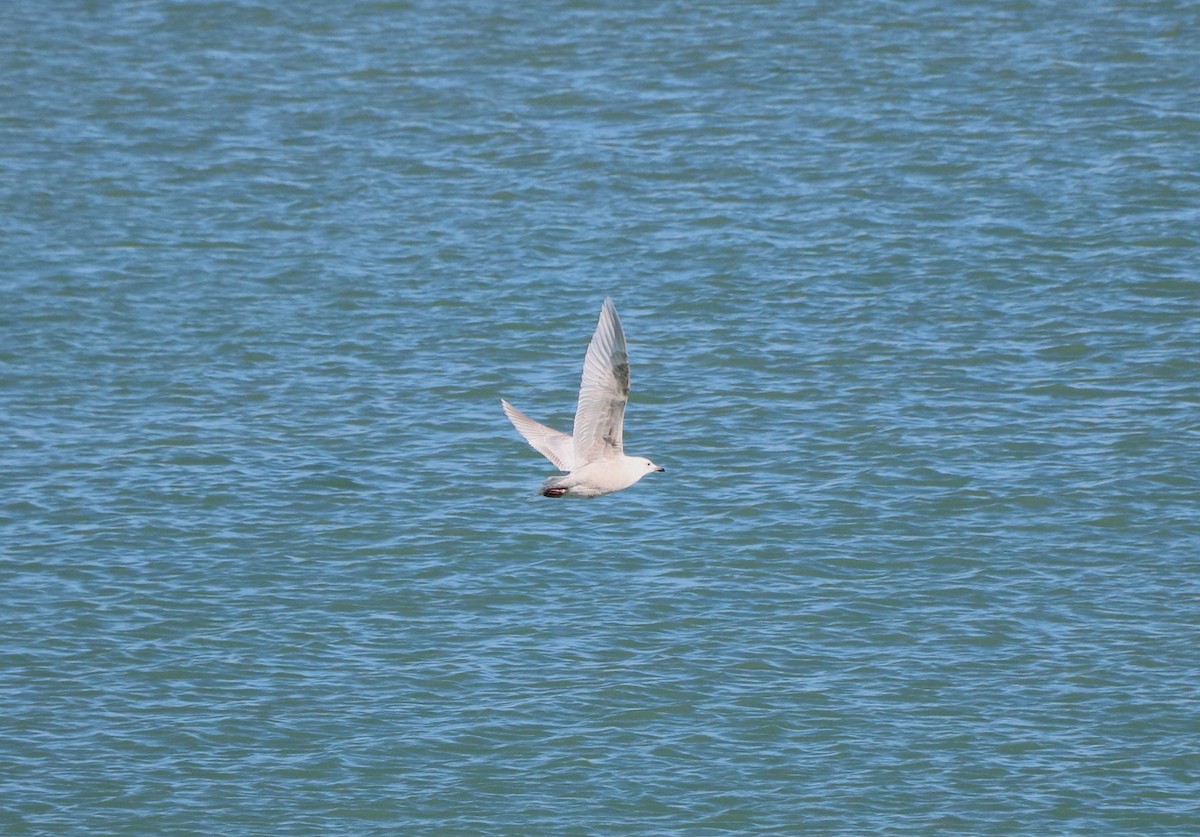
[913,308]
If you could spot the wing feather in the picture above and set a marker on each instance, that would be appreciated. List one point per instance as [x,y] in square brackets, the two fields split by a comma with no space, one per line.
[550,443]
[603,393]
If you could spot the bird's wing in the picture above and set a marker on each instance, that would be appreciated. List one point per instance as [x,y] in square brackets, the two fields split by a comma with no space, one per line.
[603,393]
[550,443]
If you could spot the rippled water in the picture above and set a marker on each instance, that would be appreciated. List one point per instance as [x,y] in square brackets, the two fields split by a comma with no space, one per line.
[912,299]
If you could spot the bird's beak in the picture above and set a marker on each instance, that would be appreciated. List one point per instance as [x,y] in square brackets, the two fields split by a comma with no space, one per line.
[661,468]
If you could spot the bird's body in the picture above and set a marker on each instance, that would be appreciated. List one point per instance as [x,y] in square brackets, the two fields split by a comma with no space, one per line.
[604,476]
[594,456]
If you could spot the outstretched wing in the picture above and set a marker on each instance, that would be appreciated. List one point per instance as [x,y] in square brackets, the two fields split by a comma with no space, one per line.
[604,392]
[550,443]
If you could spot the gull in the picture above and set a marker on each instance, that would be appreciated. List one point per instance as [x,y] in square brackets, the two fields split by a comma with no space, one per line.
[594,457]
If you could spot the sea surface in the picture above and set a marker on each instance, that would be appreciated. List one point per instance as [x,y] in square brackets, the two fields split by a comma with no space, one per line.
[912,294]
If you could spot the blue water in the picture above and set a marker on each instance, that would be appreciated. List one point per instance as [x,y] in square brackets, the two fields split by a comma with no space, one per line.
[912,301]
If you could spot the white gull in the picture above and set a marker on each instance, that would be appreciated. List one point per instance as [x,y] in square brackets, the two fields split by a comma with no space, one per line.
[594,457]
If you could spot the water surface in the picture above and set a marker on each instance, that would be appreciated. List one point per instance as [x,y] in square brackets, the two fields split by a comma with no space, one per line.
[913,312]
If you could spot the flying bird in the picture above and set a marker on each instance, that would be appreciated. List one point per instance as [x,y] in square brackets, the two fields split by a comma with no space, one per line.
[594,456]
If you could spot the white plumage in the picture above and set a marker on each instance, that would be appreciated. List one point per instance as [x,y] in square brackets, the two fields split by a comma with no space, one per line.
[594,456]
